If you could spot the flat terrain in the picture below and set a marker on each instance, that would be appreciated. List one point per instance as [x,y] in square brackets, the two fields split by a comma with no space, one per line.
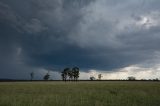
[102,93]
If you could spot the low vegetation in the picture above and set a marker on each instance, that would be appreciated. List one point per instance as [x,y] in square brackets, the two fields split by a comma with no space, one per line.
[89,93]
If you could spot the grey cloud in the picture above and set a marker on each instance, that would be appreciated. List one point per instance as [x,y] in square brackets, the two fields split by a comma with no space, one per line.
[9,17]
[107,28]
[50,20]
[35,26]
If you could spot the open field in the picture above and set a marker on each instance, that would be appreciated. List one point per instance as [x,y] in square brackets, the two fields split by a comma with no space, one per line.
[103,93]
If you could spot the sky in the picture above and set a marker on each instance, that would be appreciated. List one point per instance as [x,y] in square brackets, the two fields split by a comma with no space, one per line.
[115,38]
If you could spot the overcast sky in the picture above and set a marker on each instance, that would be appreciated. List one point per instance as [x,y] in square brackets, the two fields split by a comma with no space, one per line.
[118,38]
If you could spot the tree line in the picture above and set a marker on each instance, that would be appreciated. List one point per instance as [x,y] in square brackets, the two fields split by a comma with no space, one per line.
[72,74]
[68,74]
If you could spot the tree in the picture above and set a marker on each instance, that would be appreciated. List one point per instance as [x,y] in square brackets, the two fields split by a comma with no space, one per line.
[70,74]
[46,77]
[32,75]
[75,73]
[99,76]
[65,74]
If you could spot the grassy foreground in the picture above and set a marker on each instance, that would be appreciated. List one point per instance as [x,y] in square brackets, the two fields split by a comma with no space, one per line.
[80,93]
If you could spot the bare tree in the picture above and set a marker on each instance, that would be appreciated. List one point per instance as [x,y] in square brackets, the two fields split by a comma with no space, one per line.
[100,76]
[32,75]
[63,76]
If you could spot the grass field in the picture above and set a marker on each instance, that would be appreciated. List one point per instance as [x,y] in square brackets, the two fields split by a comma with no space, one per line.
[106,93]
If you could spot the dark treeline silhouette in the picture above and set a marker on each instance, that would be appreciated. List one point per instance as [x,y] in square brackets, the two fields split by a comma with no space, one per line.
[70,74]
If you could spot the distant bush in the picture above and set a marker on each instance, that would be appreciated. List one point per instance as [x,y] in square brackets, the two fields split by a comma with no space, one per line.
[156,79]
[92,78]
[131,78]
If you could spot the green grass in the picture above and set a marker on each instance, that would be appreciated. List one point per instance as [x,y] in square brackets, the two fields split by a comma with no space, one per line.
[80,93]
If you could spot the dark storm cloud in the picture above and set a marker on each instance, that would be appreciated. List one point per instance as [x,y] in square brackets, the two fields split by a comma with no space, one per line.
[91,34]
[34,35]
